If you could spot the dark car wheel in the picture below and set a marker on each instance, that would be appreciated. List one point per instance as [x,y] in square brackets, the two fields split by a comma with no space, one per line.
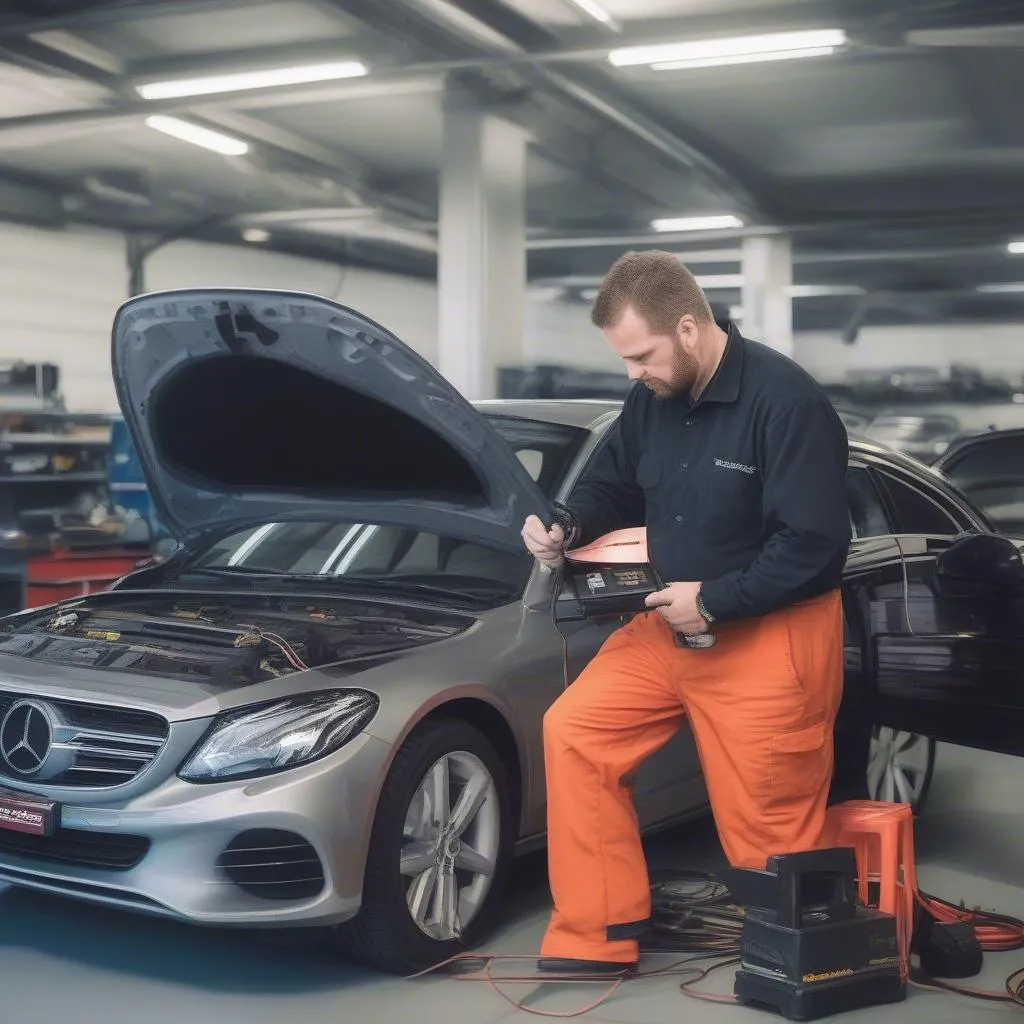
[439,852]
[900,767]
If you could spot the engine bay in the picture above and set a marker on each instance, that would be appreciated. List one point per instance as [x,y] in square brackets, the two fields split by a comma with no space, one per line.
[227,641]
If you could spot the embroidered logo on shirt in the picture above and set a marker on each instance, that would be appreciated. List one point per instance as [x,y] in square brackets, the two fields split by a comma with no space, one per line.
[735,465]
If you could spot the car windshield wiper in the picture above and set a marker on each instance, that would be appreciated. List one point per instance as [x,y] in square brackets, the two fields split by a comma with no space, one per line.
[478,590]
[473,593]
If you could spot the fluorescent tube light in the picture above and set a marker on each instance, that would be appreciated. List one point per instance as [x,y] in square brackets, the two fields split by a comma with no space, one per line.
[1002,288]
[740,49]
[187,132]
[595,10]
[714,282]
[822,291]
[696,223]
[256,235]
[1017,248]
[244,80]
[747,58]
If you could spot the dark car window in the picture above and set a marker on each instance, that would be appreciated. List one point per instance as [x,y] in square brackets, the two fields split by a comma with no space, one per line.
[546,450]
[867,510]
[991,474]
[916,511]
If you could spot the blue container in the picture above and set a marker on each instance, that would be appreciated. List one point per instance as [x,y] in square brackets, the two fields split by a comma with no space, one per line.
[127,484]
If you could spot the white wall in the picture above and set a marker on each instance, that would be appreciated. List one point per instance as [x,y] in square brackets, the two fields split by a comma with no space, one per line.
[993,349]
[58,294]
[59,291]
[557,332]
[561,333]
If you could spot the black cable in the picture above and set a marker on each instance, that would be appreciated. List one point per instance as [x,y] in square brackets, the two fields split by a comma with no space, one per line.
[693,912]
[558,578]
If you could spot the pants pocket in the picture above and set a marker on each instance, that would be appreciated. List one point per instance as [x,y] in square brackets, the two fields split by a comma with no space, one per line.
[799,764]
[814,644]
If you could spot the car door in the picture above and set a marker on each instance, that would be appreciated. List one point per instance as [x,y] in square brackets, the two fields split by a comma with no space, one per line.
[956,673]
[873,617]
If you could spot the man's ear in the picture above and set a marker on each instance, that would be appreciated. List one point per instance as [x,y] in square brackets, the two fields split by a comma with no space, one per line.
[686,330]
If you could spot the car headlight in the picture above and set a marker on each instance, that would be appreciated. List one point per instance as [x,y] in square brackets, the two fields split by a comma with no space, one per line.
[266,738]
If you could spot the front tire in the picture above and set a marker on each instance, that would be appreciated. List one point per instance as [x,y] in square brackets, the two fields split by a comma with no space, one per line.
[439,852]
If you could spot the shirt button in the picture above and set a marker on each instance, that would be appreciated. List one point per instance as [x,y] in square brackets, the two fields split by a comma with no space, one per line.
[684,465]
[679,519]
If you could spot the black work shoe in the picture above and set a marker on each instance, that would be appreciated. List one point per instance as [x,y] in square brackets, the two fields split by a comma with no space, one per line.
[560,965]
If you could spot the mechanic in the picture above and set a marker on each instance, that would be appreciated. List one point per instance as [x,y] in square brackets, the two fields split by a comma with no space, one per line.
[735,460]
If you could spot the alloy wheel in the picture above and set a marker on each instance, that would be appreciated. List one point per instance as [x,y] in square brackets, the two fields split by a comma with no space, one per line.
[899,766]
[450,845]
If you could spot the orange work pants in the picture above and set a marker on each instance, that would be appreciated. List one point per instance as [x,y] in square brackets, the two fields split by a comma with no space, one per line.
[761,704]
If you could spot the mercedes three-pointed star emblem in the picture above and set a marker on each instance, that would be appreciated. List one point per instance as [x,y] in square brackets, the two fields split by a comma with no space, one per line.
[26,737]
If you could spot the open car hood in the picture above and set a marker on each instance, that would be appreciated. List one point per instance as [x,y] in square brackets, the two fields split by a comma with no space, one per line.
[252,406]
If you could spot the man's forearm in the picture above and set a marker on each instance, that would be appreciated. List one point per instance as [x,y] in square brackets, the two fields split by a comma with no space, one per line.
[793,566]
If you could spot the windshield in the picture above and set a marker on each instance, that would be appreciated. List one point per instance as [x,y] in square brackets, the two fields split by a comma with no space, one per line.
[392,557]
[368,553]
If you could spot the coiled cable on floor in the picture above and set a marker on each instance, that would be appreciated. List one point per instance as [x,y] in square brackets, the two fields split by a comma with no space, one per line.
[692,914]
[995,932]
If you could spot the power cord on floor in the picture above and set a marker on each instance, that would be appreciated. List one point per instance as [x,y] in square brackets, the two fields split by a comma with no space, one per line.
[692,914]
[994,932]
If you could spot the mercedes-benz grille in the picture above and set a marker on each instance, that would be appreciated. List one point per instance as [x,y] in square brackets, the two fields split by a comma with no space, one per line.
[67,743]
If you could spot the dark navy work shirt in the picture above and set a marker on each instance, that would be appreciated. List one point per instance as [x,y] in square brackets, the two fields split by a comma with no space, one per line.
[743,490]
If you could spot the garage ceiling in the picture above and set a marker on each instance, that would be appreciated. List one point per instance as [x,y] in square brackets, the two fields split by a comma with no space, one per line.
[896,162]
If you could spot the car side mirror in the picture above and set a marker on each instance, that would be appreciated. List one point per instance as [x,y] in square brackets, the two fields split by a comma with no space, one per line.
[981,565]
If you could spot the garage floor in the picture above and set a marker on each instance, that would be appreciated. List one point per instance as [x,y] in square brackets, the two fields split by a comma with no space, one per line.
[62,961]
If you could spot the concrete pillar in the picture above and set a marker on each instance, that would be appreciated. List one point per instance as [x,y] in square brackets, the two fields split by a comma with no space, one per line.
[767,267]
[481,265]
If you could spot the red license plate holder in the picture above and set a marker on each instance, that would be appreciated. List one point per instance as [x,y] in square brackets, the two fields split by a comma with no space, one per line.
[28,813]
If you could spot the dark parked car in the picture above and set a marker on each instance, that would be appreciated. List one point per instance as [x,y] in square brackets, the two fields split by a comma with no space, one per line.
[920,435]
[989,469]
[325,709]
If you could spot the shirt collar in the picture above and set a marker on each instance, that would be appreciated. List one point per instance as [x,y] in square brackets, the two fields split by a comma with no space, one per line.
[724,386]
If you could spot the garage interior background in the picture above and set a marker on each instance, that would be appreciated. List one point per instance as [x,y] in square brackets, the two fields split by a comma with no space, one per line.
[889,169]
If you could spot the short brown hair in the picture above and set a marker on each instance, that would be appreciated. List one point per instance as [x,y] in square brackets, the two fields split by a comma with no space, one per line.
[656,285]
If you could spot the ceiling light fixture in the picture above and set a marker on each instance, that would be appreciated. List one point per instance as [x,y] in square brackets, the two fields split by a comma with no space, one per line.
[717,282]
[713,223]
[245,80]
[187,132]
[747,58]
[739,50]
[1016,248]
[256,235]
[595,10]
[1002,288]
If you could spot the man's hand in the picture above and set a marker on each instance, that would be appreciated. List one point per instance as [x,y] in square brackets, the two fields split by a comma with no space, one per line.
[545,545]
[677,605]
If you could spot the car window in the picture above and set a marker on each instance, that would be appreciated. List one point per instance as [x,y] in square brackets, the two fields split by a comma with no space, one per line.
[546,450]
[365,550]
[991,475]
[867,510]
[916,510]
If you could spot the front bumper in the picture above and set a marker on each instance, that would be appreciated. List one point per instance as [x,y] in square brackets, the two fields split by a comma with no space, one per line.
[181,830]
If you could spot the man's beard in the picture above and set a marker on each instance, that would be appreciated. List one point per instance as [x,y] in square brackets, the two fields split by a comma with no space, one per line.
[684,376]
